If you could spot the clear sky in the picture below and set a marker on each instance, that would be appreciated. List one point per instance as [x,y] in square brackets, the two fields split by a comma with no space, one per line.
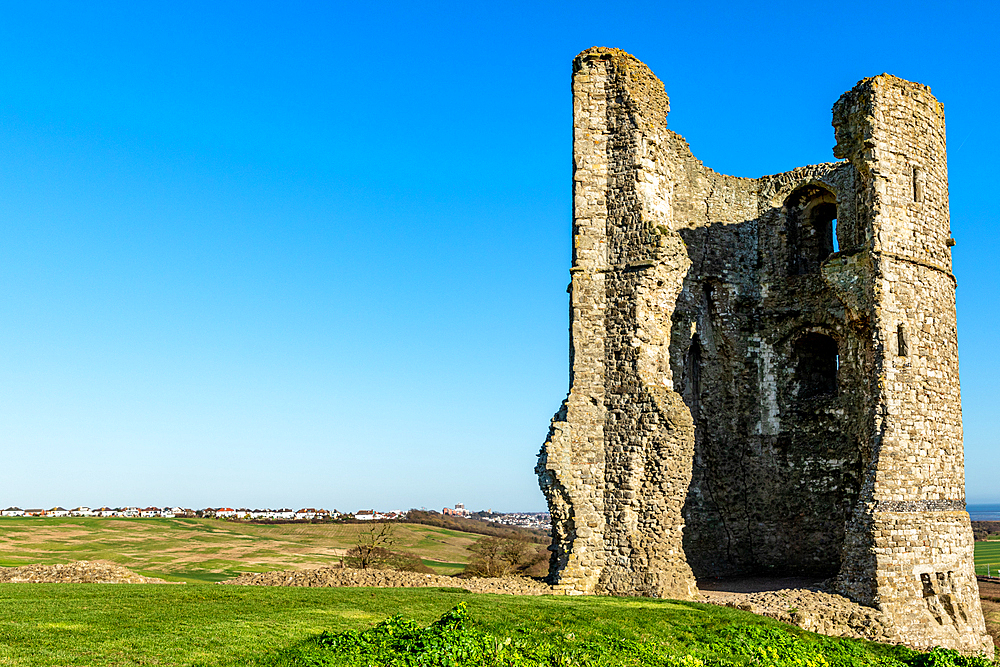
[315,254]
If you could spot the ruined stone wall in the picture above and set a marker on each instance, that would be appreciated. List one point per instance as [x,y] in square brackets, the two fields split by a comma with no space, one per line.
[738,401]
[777,462]
[614,465]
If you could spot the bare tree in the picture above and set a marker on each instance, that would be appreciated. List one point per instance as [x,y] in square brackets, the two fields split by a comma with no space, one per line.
[503,557]
[373,546]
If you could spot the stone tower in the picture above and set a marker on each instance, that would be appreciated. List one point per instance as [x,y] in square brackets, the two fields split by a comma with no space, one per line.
[763,372]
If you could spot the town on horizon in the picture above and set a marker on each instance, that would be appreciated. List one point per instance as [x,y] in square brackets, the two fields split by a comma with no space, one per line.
[524,519]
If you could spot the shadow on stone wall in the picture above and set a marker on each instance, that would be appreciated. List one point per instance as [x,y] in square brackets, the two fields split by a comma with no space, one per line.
[763,362]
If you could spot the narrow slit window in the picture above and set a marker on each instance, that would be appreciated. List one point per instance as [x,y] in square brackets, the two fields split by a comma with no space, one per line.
[918,185]
[902,345]
[836,244]
[694,376]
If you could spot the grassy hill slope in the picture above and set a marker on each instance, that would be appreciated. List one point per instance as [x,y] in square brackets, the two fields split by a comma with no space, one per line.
[46,624]
[209,549]
[73,624]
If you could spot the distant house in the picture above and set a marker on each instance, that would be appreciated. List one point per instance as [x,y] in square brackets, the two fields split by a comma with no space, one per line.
[225,512]
[167,513]
[82,511]
[12,511]
[57,512]
[131,512]
[106,511]
[34,512]
[458,511]
[365,515]
[285,513]
[305,514]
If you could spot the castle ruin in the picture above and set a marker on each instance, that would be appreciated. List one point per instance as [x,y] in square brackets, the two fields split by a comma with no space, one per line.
[764,372]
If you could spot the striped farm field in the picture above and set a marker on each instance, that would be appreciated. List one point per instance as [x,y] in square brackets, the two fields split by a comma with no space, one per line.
[209,550]
[988,557]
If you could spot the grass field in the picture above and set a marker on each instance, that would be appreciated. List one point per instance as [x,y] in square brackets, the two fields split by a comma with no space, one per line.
[210,550]
[988,553]
[225,626]
[92,624]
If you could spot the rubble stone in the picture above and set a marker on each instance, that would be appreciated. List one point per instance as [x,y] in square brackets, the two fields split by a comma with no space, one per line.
[80,572]
[349,577]
[815,611]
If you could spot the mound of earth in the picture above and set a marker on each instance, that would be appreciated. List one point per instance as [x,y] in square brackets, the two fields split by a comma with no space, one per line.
[809,608]
[80,572]
[347,577]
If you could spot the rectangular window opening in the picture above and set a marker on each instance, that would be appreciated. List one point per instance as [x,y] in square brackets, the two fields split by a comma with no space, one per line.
[918,185]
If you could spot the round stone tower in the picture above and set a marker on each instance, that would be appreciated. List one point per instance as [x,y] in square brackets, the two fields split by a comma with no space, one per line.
[910,545]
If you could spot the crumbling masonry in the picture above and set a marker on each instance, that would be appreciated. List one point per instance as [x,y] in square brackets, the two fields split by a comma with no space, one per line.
[764,372]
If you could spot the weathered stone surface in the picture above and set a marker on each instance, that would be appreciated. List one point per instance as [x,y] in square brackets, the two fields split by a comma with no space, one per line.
[764,372]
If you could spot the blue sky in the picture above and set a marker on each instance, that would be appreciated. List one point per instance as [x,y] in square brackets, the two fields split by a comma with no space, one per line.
[315,254]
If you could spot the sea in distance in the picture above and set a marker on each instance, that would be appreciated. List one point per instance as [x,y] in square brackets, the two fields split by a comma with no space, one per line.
[984,512]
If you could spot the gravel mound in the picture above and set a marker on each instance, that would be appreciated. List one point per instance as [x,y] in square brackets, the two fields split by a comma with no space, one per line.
[80,572]
[347,577]
[816,611]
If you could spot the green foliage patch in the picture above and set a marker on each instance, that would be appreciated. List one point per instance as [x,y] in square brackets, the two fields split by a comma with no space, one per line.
[455,640]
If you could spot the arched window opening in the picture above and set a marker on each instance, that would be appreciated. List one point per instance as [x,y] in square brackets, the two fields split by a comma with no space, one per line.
[816,365]
[810,228]
[694,376]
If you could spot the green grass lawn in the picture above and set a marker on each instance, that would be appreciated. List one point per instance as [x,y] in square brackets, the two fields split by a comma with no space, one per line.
[209,550]
[988,553]
[80,624]
[445,569]
[93,624]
